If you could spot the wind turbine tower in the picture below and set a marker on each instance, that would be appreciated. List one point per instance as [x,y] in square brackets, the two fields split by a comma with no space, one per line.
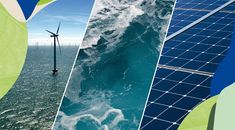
[56,41]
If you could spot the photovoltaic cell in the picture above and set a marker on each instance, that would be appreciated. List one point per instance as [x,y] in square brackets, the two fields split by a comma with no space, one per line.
[231,7]
[188,11]
[204,49]
[200,4]
[187,65]
[173,97]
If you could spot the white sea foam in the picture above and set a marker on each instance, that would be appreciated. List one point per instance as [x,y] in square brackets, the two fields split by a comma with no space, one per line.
[69,122]
[6,111]
[97,110]
[111,15]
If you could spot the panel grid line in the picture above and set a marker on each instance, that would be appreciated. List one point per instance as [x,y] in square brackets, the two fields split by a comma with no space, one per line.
[183,82]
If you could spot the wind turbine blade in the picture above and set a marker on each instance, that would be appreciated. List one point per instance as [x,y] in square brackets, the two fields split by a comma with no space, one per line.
[58,29]
[58,44]
[50,32]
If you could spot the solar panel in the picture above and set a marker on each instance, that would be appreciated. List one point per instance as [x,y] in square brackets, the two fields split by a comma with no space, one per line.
[200,4]
[187,12]
[230,8]
[186,67]
[173,95]
[203,46]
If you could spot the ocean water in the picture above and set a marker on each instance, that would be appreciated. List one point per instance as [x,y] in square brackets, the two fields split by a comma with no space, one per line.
[33,101]
[115,66]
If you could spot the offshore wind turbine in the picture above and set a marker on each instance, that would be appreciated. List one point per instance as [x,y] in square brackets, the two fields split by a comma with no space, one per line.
[56,40]
[37,45]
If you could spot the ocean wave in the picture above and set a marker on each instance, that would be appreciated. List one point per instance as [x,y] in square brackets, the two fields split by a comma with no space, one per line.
[111,18]
[110,15]
[96,111]
[158,15]
[70,122]
[6,111]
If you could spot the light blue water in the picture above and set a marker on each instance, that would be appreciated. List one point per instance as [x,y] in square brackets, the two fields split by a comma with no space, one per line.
[111,79]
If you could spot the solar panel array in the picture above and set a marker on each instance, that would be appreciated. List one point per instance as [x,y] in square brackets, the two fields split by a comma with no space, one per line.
[187,65]
[187,11]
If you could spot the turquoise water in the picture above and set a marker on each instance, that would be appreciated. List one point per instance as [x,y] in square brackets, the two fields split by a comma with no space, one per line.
[33,101]
[112,77]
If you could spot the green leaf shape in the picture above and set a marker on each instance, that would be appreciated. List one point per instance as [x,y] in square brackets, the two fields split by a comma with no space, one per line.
[13,49]
[225,109]
[42,2]
[199,118]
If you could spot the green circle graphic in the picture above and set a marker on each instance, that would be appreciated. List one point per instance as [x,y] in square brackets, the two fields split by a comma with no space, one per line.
[13,49]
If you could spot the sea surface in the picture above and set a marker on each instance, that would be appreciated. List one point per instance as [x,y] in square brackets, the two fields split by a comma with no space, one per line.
[34,100]
[115,66]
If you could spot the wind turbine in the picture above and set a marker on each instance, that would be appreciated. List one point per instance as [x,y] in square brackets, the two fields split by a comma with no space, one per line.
[37,45]
[56,40]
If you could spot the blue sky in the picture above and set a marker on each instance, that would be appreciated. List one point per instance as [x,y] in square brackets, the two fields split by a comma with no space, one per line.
[73,15]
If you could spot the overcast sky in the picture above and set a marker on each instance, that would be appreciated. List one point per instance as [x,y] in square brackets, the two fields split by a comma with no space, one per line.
[73,15]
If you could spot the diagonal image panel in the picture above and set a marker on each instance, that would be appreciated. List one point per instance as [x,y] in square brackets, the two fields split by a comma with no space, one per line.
[114,68]
[188,63]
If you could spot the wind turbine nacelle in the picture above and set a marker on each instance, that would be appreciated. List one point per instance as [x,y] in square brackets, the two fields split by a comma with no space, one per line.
[55,35]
